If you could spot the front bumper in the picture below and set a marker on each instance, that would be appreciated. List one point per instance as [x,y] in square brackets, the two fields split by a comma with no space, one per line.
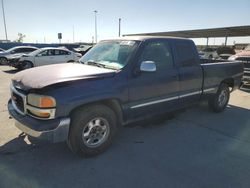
[54,130]
[15,63]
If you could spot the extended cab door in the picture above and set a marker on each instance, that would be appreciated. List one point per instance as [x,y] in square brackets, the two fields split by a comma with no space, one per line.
[190,71]
[154,92]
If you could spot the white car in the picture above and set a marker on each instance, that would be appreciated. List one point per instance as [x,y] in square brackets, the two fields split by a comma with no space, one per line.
[18,50]
[209,53]
[47,56]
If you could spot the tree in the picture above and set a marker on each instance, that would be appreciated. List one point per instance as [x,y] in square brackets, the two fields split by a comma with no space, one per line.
[20,37]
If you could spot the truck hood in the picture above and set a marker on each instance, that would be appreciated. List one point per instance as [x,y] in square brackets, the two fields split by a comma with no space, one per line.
[40,77]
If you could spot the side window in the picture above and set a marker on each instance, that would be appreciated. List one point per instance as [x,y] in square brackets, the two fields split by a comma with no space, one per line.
[63,52]
[160,53]
[185,53]
[43,53]
[20,50]
[51,52]
[57,52]
[27,50]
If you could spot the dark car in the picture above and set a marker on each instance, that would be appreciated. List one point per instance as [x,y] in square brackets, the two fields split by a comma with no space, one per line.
[117,82]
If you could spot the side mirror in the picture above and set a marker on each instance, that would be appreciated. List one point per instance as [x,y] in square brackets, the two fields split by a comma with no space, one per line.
[39,55]
[148,66]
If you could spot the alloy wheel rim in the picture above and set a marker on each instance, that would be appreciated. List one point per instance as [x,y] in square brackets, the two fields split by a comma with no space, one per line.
[222,98]
[95,132]
[27,66]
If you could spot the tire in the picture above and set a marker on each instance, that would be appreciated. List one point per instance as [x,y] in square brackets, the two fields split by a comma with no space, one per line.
[27,65]
[92,130]
[71,61]
[219,101]
[3,61]
[19,68]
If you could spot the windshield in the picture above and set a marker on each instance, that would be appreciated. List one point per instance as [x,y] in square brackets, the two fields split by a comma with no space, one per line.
[11,49]
[110,54]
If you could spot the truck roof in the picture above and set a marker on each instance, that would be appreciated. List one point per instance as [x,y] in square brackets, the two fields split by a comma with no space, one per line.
[143,38]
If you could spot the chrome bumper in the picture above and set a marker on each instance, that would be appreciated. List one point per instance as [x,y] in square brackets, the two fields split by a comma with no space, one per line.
[58,134]
[50,130]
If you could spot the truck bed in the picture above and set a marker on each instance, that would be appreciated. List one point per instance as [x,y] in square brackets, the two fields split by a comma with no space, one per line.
[215,71]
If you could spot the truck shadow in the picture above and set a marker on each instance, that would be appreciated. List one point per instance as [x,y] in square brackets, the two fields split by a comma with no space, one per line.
[190,140]
[12,71]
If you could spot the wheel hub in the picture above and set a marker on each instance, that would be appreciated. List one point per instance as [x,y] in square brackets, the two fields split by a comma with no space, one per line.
[95,132]
[222,98]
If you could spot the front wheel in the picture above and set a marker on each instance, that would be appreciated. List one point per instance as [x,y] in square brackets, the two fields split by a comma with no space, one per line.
[27,65]
[219,101]
[92,130]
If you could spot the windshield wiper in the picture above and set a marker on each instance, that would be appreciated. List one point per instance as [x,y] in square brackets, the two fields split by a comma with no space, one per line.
[99,65]
[109,67]
[95,64]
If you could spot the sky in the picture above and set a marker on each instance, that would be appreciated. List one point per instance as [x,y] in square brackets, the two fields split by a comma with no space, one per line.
[41,20]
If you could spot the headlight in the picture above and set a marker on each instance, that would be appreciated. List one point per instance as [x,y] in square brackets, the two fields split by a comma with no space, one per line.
[41,101]
[41,106]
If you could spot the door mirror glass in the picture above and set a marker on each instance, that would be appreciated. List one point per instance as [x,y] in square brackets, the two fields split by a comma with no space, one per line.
[148,66]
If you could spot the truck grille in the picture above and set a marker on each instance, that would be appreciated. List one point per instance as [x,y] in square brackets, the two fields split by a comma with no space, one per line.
[18,100]
[246,62]
[247,65]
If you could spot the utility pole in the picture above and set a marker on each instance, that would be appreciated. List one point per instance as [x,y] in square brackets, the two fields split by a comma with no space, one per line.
[73,34]
[6,36]
[119,27]
[95,26]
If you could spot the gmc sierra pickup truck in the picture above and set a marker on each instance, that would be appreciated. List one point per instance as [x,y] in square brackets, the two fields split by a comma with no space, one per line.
[118,81]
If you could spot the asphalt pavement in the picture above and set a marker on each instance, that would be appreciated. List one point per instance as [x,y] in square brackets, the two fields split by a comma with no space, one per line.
[193,148]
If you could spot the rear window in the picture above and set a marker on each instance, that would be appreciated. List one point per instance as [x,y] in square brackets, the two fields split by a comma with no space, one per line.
[63,52]
[185,53]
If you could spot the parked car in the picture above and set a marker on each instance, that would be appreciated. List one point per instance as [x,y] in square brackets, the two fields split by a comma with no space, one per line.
[222,52]
[83,49]
[45,56]
[18,50]
[209,53]
[118,81]
[244,56]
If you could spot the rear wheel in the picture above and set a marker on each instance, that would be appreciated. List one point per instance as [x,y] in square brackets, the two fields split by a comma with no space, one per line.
[92,130]
[219,101]
[3,61]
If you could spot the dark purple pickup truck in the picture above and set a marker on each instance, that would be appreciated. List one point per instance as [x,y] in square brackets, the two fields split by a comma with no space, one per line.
[117,82]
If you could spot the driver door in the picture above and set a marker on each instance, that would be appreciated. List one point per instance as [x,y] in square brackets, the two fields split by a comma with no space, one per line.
[154,92]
